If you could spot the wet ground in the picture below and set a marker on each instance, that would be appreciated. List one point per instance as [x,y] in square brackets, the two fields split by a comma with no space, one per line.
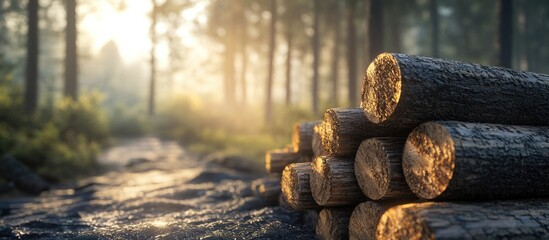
[156,190]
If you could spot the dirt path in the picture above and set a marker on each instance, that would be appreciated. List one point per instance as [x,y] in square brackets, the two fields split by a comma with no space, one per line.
[158,191]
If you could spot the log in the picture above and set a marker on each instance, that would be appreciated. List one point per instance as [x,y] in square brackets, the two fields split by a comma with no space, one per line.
[333,223]
[277,159]
[302,138]
[365,218]
[318,148]
[404,90]
[346,128]
[23,178]
[457,160]
[524,219]
[378,168]
[296,187]
[310,218]
[333,182]
[267,188]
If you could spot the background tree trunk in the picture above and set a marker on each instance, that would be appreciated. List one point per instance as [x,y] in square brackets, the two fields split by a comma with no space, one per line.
[289,41]
[376,28]
[335,58]
[31,85]
[152,83]
[316,56]
[435,28]
[71,55]
[351,52]
[272,45]
[505,33]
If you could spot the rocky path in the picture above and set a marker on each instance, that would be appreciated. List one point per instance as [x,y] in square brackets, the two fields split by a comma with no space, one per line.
[157,191]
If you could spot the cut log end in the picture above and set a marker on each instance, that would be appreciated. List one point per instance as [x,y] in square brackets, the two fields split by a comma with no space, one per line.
[333,223]
[276,160]
[318,148]
[330,133]
[302,137]
[364,220]
[372,168]
[296,187]
[429,160]
[321,186]
[381,88]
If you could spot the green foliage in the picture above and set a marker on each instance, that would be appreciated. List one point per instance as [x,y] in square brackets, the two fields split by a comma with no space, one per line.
[126,121]
[209,127]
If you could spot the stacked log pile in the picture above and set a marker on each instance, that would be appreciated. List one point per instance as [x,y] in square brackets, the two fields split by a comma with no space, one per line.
[427,130]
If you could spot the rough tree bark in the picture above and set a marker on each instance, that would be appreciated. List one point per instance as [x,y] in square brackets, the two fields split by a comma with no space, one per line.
[365,218]
[457,160]
[378,168]
[333,182]
[277,159]
[333,223]
[296,188]
[302,137]
[71,55]
[346,128]
[403,90]
[31,84]
[520,219]
[318,148]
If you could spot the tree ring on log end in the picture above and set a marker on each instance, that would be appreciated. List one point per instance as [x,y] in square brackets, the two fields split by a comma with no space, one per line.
[372,169]
[428,160]
[290,185]
[381,88]
[320,180]
[295,137]
[330,138]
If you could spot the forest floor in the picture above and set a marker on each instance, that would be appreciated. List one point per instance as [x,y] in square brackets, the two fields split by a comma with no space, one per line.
[154,190]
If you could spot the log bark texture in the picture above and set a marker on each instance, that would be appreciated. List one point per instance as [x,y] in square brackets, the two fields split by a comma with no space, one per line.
[457,160]
[302,138]
[276,160]
[318,148]
[346,128]
[378,168]
[296,188]
[333,223]
[267,188]
[333,182]
[403,90]
[523,219]
[365,218]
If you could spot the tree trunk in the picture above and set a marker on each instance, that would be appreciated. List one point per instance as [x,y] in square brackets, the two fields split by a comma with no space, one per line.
[276,160]
[346,128]
[435,28]
[302,138]
[316,142]
[333,182]
[267,188]
[365,218]
[152,84]
[378,168]
[403,90]
[395,21]
[456,160]
[244,61]
[71,55]
[351,52]
[505,33]
[335,58]
[376,28]
[289,40]
[316,56]
[519,219]
[272,45]
[31,84]
[296,188]
[333,223]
